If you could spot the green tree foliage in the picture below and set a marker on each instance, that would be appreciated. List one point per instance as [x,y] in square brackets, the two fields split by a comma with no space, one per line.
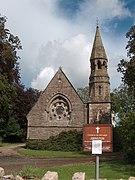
[127,130]
[15,100]
[22,104]
[84,93]
[123,103]
[13,131]
[9,44]
[9,74]
[7,92]
[127,68]
[123,100]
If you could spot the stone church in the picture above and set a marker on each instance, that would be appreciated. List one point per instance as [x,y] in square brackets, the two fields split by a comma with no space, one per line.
[60,108]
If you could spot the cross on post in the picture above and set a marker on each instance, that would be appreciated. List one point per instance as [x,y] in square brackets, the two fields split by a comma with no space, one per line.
[97,128]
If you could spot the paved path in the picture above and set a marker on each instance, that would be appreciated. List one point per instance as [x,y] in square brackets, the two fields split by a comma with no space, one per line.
[11,150]
[11,161]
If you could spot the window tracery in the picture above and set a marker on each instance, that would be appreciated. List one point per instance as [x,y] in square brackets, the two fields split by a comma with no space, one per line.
[59,109]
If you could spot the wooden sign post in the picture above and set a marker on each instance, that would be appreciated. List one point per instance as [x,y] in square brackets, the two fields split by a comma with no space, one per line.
[102,132]
[97,138]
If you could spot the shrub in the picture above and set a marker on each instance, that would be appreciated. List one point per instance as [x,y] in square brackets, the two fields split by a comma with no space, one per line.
[65,141]
[117,139]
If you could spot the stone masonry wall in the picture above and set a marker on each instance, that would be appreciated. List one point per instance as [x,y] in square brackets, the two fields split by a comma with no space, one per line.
[99,112]
[59,108]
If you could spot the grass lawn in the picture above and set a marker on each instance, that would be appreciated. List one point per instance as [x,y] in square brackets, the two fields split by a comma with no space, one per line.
[109,170]
[112,170]
[52,154]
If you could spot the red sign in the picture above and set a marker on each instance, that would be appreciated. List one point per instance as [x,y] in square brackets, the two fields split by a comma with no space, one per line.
[98,132]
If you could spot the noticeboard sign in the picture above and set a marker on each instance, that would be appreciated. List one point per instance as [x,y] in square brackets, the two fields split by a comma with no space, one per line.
[103,132]
[96,146]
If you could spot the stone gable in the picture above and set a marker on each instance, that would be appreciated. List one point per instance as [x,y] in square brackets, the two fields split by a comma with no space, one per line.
[59,108]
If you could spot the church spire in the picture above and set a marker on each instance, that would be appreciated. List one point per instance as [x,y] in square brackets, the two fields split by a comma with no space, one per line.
[99,85]
[98,50]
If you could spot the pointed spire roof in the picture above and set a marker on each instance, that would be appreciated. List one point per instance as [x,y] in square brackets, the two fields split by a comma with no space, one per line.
[98,51]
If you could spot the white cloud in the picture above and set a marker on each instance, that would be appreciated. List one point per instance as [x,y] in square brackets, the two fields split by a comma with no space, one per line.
[50,40]
[111,9]
[72,55]
[44,76]
[103,9]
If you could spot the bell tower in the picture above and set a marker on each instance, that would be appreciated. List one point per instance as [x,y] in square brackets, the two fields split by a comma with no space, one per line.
[99,84]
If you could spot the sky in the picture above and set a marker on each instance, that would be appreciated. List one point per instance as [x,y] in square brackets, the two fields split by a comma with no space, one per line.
[60,33]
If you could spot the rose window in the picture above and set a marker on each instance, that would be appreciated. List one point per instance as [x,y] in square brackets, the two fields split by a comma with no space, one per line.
[59,109]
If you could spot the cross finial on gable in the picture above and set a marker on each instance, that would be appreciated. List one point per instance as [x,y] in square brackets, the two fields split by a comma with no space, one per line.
[97,21]
[60,68]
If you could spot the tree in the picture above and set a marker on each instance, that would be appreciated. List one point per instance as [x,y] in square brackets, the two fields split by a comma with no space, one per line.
[13,131]
[9,74]
[84,93]
[26,98]
[123,103]
[9,44]
[123,100]
[7,92]
[127,68]
[127,130]
[15,100]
